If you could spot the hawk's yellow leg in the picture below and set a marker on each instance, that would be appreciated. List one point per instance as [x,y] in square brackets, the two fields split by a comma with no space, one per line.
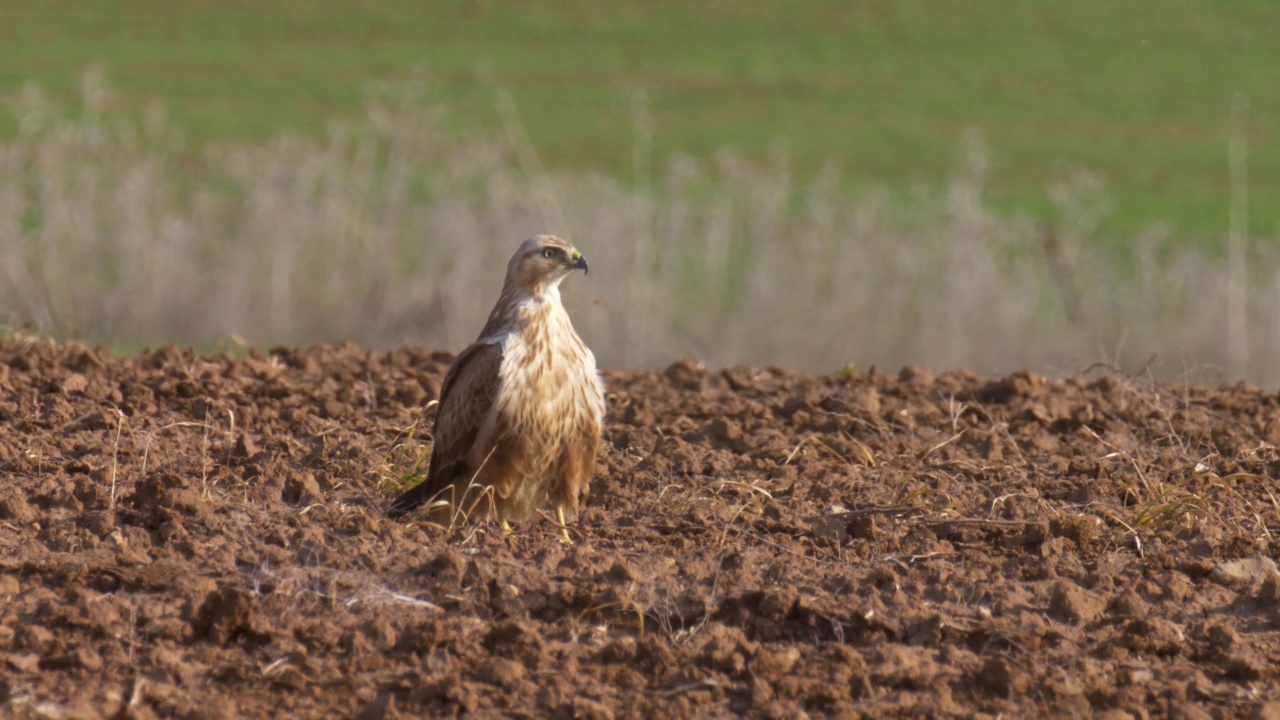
[564,528]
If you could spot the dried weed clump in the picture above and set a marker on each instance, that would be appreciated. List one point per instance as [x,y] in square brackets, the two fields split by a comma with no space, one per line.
[385,231]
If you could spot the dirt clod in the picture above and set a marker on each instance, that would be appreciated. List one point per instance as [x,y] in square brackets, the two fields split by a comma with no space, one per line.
[1245,571]
[193,537]
[224,614]
[1075,604]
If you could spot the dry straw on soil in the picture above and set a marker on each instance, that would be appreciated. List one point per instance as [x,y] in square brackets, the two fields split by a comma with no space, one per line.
[193,536]
[386,231]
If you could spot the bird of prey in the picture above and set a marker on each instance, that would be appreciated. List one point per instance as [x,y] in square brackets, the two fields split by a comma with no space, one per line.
[521,410]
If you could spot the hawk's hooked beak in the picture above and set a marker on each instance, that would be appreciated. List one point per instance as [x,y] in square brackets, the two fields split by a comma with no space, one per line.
[579,262]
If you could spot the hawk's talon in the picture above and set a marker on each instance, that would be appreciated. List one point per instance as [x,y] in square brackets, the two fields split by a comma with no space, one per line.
[564,528]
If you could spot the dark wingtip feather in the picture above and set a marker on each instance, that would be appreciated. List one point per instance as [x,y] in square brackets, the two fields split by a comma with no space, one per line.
[408,501]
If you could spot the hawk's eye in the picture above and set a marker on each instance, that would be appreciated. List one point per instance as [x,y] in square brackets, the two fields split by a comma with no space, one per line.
[550,253]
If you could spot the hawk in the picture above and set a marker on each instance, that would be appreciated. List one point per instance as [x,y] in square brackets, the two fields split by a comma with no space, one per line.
[521,409]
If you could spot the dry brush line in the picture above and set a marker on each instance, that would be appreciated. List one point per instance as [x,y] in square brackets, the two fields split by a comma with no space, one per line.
[381,230]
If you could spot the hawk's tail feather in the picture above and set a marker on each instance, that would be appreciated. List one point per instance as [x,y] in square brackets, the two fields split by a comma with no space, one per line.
[412,499]
[438,494]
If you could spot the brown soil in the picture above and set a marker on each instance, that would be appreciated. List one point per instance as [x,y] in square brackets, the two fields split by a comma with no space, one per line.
[204,537]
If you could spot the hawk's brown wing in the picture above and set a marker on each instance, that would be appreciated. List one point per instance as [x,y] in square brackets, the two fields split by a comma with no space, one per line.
[469,390]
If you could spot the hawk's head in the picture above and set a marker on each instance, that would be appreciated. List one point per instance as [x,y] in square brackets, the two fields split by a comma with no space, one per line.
[542,262]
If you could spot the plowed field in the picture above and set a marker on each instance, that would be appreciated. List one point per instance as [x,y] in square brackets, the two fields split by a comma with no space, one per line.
[204,537]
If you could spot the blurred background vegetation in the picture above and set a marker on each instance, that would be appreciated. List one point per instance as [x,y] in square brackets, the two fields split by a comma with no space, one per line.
[1082,149]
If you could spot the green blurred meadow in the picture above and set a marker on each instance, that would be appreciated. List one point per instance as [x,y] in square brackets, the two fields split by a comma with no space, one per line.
[1138,93]
[997,185]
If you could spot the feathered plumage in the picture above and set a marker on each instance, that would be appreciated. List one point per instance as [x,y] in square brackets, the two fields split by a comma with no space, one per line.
[521,409]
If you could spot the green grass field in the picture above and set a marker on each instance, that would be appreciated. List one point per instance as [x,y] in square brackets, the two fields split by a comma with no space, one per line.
[1140,92]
